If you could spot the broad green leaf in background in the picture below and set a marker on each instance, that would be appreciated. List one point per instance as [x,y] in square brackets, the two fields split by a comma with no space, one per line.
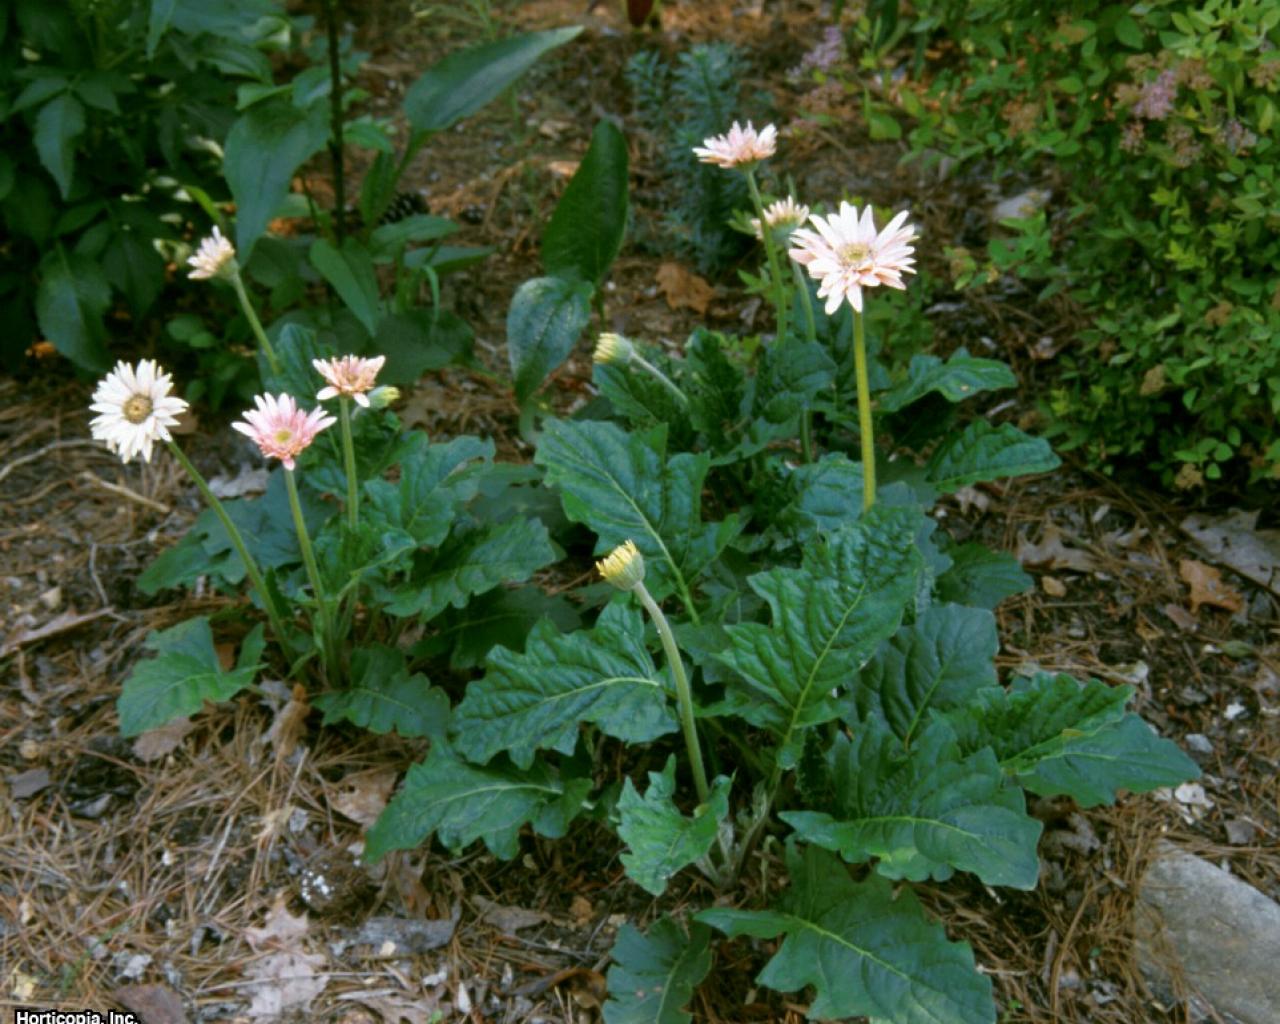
[466,81]
[183,675]
[983,452]
[264,147]
[923,812]
[59,124]
[623,487]
[546,318]
[435,481]
[935,663]
[654,973]
[470,563]
[960,377]
[461,803]
[660,840]
[382,696]
[826,495]
[537,700]
[791,374]
[981,577]
[295,346]
[828,617]
[500,618]
[1057,735]
[866,949]
[388,240]
[71,299]
[350,271]
[420,340]
[158,23]
[586,230]
[134,268]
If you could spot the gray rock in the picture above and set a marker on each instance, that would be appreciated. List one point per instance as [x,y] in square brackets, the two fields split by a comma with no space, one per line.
[1203,935]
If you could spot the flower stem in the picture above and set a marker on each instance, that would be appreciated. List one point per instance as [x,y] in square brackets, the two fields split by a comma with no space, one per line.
[254,323]
[661,378]
[684,696]
[811,334]
[237,541]
[864,413]
[349,459]
[779,289]
[313,570]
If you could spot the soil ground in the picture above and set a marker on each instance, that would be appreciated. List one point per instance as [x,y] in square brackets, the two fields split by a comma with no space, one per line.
[165,878]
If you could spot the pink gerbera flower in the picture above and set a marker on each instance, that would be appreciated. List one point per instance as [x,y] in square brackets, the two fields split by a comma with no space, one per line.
[280,429]
[846,254]
[741,147]
[349,375]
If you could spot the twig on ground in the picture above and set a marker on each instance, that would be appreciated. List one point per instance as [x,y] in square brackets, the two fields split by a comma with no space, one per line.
[125,492]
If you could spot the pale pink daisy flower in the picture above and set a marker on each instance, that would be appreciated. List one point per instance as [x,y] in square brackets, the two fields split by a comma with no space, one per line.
[846,254]
[280,429]
[216,257]
[741,147]
[135,409]
[782,217]
[349,375]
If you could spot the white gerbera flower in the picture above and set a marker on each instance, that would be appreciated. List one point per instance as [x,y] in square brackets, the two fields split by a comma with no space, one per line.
[135,409]
[741,147]
[846,254]
[781,217]
[216,257]
[351,375]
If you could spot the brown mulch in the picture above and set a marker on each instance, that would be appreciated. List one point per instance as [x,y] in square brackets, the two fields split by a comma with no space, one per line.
[180,870]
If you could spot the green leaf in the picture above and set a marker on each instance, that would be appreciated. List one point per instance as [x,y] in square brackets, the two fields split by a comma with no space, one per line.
[296,346]
[469,564]
[865,948]
[1058,736]
[500,618]
[350,271]
[183,675]
[586,230]
[382,696]
[264,148]
[654,974]
[924,811]
[960,377]
[435,481]
[58,125]
[981,577]
[1128,32]
[935,663]
[660,840]
[791,374]
[826,495]
[388,240]
[983,452]
[419,341]
[623,487]
[828,617]
[158,23]
[71,298]
[539,699]
[462,803]
[464,82]
[134,268]
[546,318]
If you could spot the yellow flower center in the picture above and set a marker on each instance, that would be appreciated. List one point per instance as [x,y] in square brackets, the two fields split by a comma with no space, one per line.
[284,435]
[137,408]
[855,253]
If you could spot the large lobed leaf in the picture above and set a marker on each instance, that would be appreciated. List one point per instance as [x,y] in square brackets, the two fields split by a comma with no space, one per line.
[624,487]
[828,617]
[960,377]
[654,974]
[538,700]
[925,811]
[981,577]
[983,452]
[435,480]
[660,840]
[183,675]
[586,230]
[1058,736]
[382,696]
[462,803]
[865,949]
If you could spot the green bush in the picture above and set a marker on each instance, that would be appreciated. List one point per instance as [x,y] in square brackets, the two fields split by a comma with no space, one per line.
[1156,126]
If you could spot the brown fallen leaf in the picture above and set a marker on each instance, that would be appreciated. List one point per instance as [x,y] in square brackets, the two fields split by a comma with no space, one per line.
[1235,541]
[290,721]
[684,289]
[152,1004]
[1053,586]
[1052,553]
[507,920]
[1180,617]
[364,796]
[581,910]
[63,623]
[1207,587]
[284,981]
[281,930]
[156,743]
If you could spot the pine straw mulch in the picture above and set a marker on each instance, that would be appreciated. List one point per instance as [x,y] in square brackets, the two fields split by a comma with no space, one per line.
[181,873]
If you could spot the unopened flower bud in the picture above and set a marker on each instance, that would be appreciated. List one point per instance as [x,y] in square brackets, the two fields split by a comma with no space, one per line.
[623,566]
[383,396]
[613,350]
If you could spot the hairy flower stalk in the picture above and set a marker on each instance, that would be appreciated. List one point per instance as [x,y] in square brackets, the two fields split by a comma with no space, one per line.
[624,568]
[846,254]
[349,379]
[771,256]
[216,259]
[616,350]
